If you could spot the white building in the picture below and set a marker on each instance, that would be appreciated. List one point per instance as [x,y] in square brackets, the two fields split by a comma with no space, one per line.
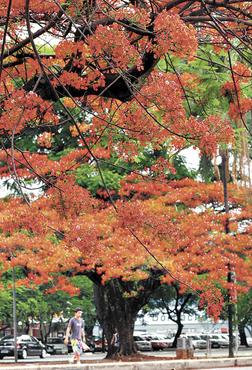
[156,322]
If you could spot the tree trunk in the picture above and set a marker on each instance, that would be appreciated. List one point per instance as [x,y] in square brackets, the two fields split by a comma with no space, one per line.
[116,311]
[178,333]
[27,327]
[104,314]
[241,328]
[42,336]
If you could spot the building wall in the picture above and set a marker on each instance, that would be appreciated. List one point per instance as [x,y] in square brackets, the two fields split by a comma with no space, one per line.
[160,323]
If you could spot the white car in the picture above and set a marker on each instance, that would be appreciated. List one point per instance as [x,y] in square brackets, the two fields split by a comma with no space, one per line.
[217,340]
[221,339]
[197,342]
[142,344]
[159,342]
[249,341]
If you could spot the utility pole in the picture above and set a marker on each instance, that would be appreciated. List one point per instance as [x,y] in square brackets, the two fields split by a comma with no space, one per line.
[224,175]
[14,313]
[231,272]
[231,311]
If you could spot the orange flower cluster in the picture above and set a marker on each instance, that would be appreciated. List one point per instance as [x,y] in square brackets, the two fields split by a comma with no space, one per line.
[174,35]
[37,6]
[108,40]
[190,241]
[45,140]
[22,109]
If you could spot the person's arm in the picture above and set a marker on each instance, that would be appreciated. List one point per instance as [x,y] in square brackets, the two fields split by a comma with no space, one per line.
[67,332]
[112,340]
[83,335]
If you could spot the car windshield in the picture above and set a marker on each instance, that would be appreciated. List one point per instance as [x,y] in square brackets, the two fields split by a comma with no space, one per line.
[10,339]
[138,338]
[7,339]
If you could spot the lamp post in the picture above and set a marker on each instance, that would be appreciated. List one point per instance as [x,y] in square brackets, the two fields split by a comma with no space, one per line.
[14,313]
[231,295]
[231,311]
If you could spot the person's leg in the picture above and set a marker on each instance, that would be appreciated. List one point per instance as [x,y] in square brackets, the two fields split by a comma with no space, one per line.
[78,358]
[75,348]
[78,352]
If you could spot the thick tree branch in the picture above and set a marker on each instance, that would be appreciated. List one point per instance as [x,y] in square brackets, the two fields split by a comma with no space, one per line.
[116,85]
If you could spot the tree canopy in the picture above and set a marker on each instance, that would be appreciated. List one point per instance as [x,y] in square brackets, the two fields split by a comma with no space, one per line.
[99,96]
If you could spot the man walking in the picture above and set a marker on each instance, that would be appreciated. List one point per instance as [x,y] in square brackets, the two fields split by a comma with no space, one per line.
[76,328]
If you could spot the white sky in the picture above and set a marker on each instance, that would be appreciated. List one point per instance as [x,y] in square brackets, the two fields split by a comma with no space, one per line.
[4,191]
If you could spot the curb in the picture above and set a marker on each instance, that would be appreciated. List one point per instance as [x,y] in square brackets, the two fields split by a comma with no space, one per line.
[145,365]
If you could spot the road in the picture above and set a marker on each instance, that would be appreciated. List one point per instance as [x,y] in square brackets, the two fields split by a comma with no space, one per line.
[54,358]
[218,352]
[232,368]
[243,352]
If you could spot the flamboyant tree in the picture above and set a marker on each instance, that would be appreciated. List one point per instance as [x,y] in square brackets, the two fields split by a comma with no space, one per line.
[170,238]
[80,85]
[103,66]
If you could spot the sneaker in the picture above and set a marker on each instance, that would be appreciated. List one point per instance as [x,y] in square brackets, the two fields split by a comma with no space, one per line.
[71,360]
[78,363]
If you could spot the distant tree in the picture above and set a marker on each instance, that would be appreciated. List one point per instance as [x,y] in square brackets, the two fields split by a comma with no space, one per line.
[244,315]
[35,305]
[171,301]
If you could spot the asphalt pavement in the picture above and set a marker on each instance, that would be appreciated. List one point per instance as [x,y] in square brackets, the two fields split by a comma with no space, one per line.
[198,354]
[232,368]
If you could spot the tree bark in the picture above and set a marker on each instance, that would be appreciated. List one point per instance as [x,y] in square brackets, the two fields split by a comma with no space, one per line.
[178,333]
[241,328]
[116,311]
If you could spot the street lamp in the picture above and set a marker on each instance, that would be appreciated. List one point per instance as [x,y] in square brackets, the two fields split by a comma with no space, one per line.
[14,313]
[232,312]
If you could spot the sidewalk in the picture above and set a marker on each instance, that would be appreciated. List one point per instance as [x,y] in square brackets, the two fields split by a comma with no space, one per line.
[144,365]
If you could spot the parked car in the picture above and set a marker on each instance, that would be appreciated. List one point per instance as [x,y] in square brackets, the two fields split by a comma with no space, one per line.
[249,341]
[216,340]
[197,341]
[142,344]
[160,342]
[98,345]
[26,346]
[56,345]
[236,338]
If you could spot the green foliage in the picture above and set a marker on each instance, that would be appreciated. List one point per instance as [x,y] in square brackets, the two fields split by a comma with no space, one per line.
[206,169]
[84,300]
[89,177]
[164,297]
[212,71]
[244,308]
[36,305]
[182,171]
[5,307]
[45,49]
